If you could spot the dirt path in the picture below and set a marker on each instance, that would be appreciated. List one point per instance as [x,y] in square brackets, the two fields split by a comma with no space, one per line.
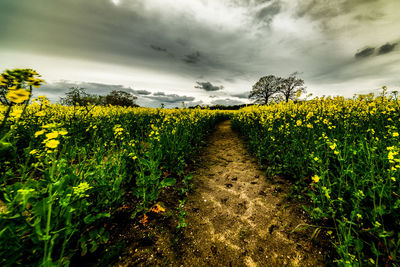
[236,216]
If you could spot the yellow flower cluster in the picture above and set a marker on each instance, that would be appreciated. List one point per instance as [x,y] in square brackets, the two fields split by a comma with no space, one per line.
[18,95]
[16,82]
[81,189]
[394,160]
[50,141]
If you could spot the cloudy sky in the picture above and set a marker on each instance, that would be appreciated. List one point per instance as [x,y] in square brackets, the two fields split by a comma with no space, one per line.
[202,51]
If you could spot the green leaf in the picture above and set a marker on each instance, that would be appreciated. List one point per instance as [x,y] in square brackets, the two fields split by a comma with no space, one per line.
[84,249]
[90,218]
[37,228]
[168,182]
[4,146]
[94,246]
[188,177]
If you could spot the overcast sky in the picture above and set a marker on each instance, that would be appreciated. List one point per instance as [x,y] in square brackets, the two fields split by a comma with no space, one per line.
[202,51]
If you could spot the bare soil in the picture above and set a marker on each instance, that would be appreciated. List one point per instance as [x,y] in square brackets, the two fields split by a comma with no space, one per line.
[236,216]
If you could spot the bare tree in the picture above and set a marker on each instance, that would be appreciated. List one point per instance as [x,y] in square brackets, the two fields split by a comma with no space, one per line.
[266,87]
[291,86]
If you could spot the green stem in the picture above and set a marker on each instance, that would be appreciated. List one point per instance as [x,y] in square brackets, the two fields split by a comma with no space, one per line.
[46,244]
[47,252]
[26,104]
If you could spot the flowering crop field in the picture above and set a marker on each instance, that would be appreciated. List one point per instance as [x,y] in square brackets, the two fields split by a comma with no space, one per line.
[65,170]
[344,156]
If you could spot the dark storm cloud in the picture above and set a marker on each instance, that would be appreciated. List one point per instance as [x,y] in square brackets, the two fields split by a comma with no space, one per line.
[325,12]
[326,9]
[243,95]
[249,2]
[387,48]
[162,50]
[226,102]
[159,94]
[368,17]
[131,34]
[262,11]
[101,31]
[141,92]
[369,51]
[193,58]
[229,79]
[267,13]
[366,52]
[170,98]
[207,86]
[157,48]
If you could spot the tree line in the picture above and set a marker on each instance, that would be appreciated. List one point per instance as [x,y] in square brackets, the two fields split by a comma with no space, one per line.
[278,89]
[77,96]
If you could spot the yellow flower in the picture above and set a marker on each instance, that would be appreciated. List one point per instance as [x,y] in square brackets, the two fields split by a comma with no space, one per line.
[50,125]
[333,146]
[395,134]
[52,143]
[35,82]
[63,132]
[18,96]
[394,179]
[315,178]
[298,122]
[16,113]
[3,81]
[316,158]
[39,133]
[40,113]
[336,152]
[52,135]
